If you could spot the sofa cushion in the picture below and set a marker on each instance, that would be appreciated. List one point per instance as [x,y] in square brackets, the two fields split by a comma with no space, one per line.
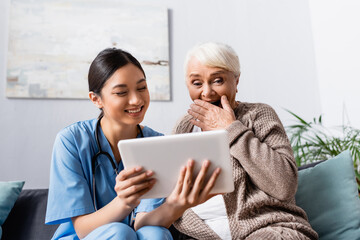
[9,192]
[27,218]
[328,193]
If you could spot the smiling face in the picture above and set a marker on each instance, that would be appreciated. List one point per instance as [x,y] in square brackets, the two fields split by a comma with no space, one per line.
[125,97]
[210,83]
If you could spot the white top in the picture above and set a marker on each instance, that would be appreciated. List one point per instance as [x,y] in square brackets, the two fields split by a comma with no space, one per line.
[213,212]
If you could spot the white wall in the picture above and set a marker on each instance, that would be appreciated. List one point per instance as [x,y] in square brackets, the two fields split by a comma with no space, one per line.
[276,49]
[336,31]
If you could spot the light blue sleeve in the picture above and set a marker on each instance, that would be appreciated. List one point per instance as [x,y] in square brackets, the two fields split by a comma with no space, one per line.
[147,205]
[69,191]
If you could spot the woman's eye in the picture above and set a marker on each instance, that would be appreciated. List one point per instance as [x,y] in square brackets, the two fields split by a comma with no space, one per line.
[218,80]
[196,83]
[142,88]
[120,93]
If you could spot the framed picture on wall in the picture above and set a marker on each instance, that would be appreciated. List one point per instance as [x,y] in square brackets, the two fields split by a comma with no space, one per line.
[52,44]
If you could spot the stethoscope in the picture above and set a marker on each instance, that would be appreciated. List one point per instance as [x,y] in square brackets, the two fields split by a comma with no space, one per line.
[108,156]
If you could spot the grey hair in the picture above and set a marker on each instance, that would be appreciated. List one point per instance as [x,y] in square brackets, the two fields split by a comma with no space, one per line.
[213,54]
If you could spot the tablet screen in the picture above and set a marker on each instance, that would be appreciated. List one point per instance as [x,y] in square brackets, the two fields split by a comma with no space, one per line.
[165,155]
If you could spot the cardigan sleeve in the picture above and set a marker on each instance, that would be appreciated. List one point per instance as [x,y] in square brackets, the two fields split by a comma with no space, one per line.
[264,151]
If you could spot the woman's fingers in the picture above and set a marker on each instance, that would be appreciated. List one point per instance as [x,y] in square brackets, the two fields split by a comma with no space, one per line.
[200,190]
[225,104]
[145,176]
[203,104]
[202,187]
[210,117]
[210,184]
[124,174]
[206,115]
[200,178]
[189,193]
[188,179]
[137,190]
[131,184]
[180,181]
[130,179]
[200,124]
[196,115]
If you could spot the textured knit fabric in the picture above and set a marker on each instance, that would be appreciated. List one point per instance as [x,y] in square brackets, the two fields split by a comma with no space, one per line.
[265,177]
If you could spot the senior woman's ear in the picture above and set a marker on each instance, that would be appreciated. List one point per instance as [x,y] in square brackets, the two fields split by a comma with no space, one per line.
[237,82]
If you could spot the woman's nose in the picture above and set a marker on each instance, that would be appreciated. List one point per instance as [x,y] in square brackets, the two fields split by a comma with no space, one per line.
[207,91]
[135,98]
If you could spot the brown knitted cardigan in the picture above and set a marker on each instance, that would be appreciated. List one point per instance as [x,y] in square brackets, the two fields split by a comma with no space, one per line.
[265,177]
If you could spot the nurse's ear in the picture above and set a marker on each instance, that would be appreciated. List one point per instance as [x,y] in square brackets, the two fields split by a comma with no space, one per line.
[96,99]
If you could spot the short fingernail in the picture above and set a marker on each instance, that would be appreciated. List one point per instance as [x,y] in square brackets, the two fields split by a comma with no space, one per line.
[206,163]
[138,169]
[149,173]
[190,162]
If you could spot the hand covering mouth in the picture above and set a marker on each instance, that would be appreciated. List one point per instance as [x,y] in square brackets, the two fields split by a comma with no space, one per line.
[216,103]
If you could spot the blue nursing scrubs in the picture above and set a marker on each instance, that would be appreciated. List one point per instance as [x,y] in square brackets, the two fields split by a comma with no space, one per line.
[70,190]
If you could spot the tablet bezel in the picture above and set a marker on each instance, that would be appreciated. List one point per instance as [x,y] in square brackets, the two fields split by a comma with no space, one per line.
[165,155]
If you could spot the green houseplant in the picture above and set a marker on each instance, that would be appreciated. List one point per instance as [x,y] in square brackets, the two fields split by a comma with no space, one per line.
[312,141]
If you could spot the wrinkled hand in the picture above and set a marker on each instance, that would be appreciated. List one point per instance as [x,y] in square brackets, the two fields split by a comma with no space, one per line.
[189,193]
[210,117]
[132,184]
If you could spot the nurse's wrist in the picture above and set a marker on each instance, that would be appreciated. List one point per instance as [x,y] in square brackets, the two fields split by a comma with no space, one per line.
[174,210]
[123,206]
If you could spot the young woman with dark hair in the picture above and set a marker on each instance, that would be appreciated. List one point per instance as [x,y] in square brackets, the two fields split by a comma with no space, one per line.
[91,195]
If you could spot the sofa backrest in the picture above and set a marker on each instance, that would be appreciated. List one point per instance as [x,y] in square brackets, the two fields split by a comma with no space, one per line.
[27,218]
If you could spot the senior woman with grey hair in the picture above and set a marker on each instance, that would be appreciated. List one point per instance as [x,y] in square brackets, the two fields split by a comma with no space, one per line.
[262,206]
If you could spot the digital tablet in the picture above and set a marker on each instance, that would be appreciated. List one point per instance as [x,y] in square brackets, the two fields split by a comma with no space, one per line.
[165,155]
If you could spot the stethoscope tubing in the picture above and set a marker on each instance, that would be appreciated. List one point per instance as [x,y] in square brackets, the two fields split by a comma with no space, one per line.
[108,156]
